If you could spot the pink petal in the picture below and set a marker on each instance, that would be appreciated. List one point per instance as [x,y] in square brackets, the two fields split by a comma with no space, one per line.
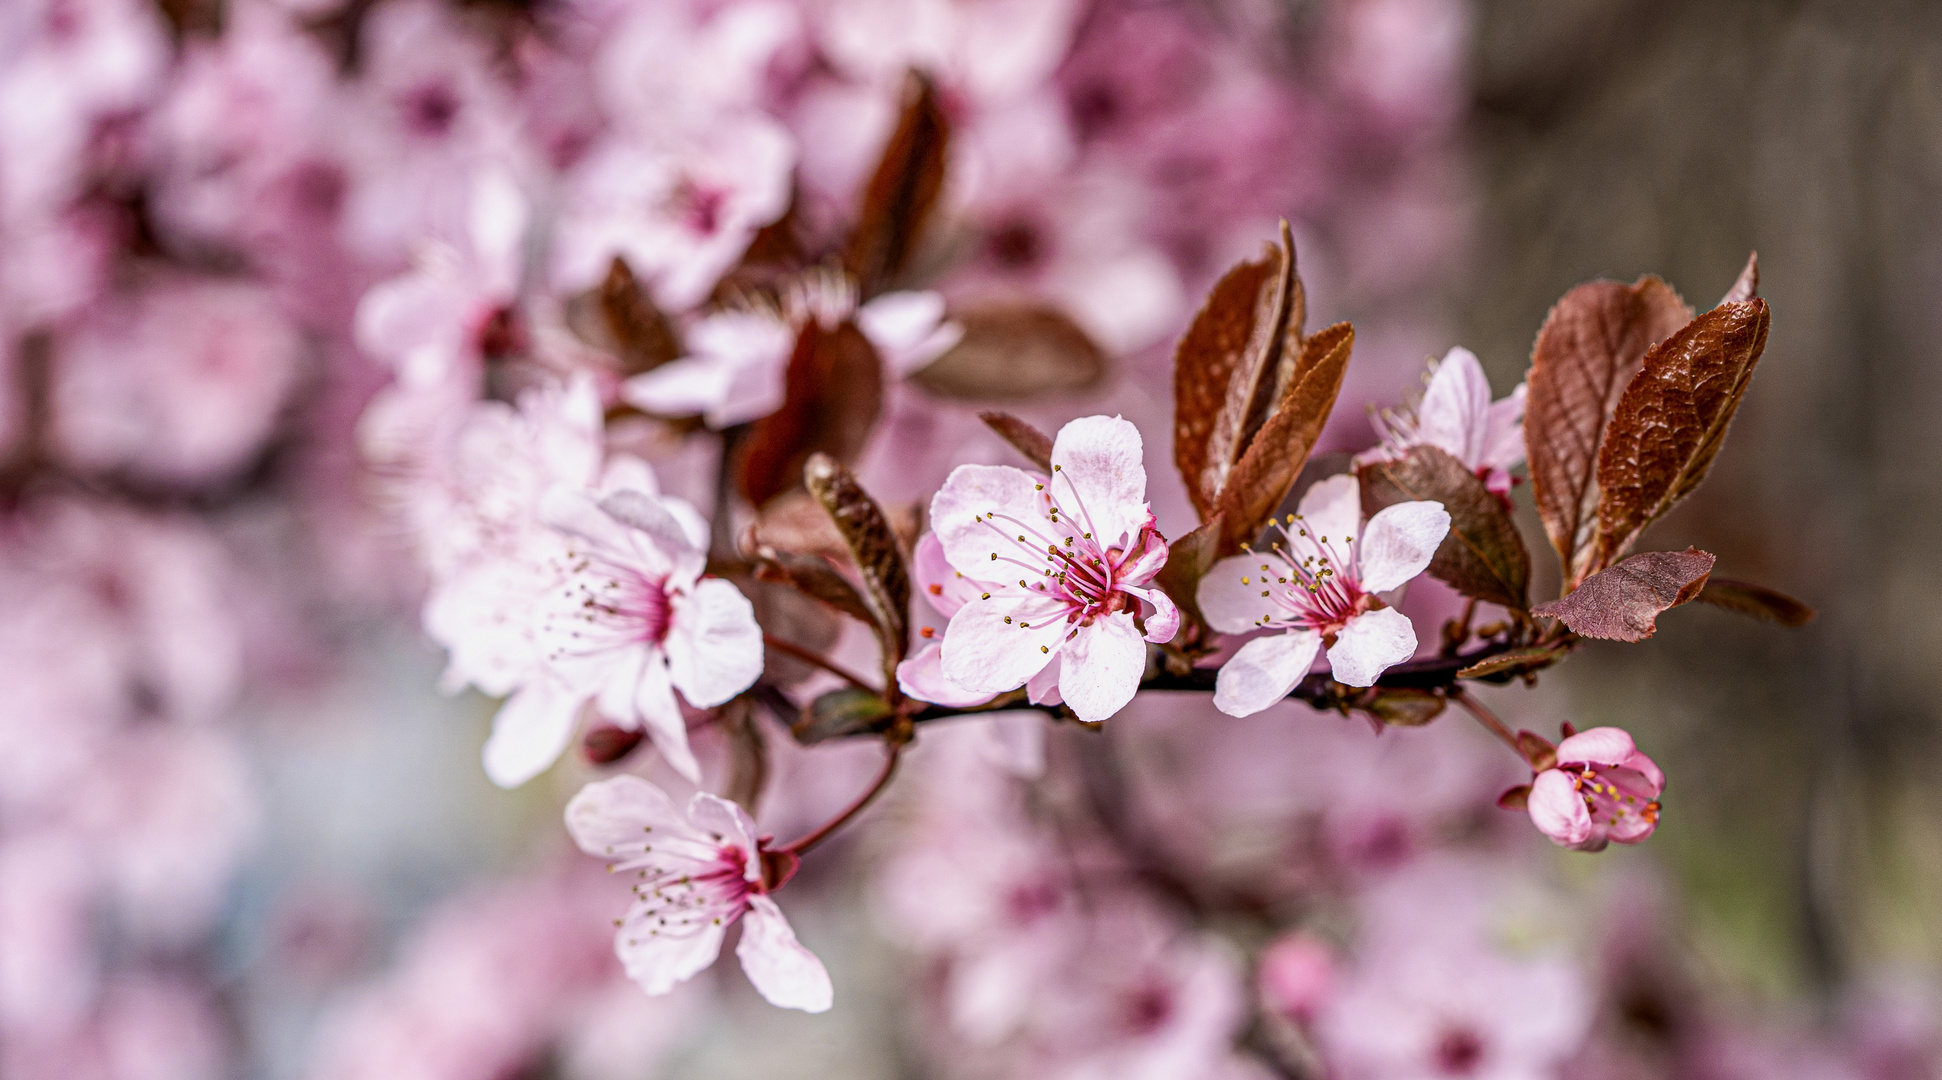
[1370,643]
[995,645]
[1655,778]
[530,731]
[619,810]
[1630,829]
[1264,671]
[1332,508]
[1598,746]
[952,589]
[1556,809]
[1454,413]
[782,971]
[1399,543]
[1164,622]
[664,536]
[577,513]
[726,823]
[1043,688]
[1099,478]
[661,961]
[922,677]
[970,493]
[660,714]
[714,644]
[1503,447]
[1230,595]
[1100,668]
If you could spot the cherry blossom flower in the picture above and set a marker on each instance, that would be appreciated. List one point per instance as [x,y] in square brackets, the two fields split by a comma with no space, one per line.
[1084,547]
[695,873]
[737,359]
[633,622]
[1602,789]
[921,675]
[1456,415]
[1318,585]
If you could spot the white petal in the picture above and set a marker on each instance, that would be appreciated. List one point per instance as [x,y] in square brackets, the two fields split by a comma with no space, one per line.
[660,715]
[1100,668]
[690,386]
[1557,810]
[1332,508]
[1099,459]
[530,731]
[908,329]
[1230,595]
[727,822]
[1164,622]
[1043,688]
[1398,544]
[498,227]
[995,645]
[620,810]
[1454,413]
[781,970]
[922,676]
[575,512]
[714,644]
[969,494]
[1264,671]
[1369,644]
[1503,446]
[651,518]
[661,961]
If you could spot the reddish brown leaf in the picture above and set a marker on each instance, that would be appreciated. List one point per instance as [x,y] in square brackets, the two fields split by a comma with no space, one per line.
[1590,346]
[1672,420]
[901,193]
[1483,556]
[1508,665]
[1015,352]
[643,338]
[832,393]
[1261,479]
[873,546]
[605,744]
[1517,798]
[1188,558]
[1405,707]
[1623,603]
[1538,751]
[1228,370]
[796,522]
[1756,600]
[1748,285]
[813,576]
[1034,444]
[748,753]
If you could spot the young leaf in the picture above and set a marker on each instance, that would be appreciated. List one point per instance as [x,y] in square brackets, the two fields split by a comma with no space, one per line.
[873,544]
[1757,601]
[1748,285]
[641,333]
[1034,444]
[1590,346]
[1015,351]
[813,576]
[1274,459]
[1507,665]
[1538,751]
[1517,798]
[1225,368]
[840,714]
[832,393]
[1672,419]
[1483,556]
[1188,558]
[900,195]
[1623,603]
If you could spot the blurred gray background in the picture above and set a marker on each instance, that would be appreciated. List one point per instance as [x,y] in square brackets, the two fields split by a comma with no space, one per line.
[1614,138]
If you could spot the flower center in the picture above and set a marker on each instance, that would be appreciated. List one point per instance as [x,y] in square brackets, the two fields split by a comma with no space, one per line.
[1307,581]
[1612,794]
[1458,1052]
[1060,549]
[611,607]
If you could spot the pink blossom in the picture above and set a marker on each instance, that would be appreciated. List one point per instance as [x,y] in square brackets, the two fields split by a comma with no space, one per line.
[1086,536]
[670,70]
[1602,789]
[632,622]
[1296,974]
[181,381]
[1455,415]
[1323,591]
[737,358]
[695,873]
[947,591]
[680,214]
[989,51]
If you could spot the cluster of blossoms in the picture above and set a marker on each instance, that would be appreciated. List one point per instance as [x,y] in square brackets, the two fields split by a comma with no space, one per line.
[575,332]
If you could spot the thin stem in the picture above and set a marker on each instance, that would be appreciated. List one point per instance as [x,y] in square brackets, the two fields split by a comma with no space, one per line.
[892,752]
[1487,718]
[807,657]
